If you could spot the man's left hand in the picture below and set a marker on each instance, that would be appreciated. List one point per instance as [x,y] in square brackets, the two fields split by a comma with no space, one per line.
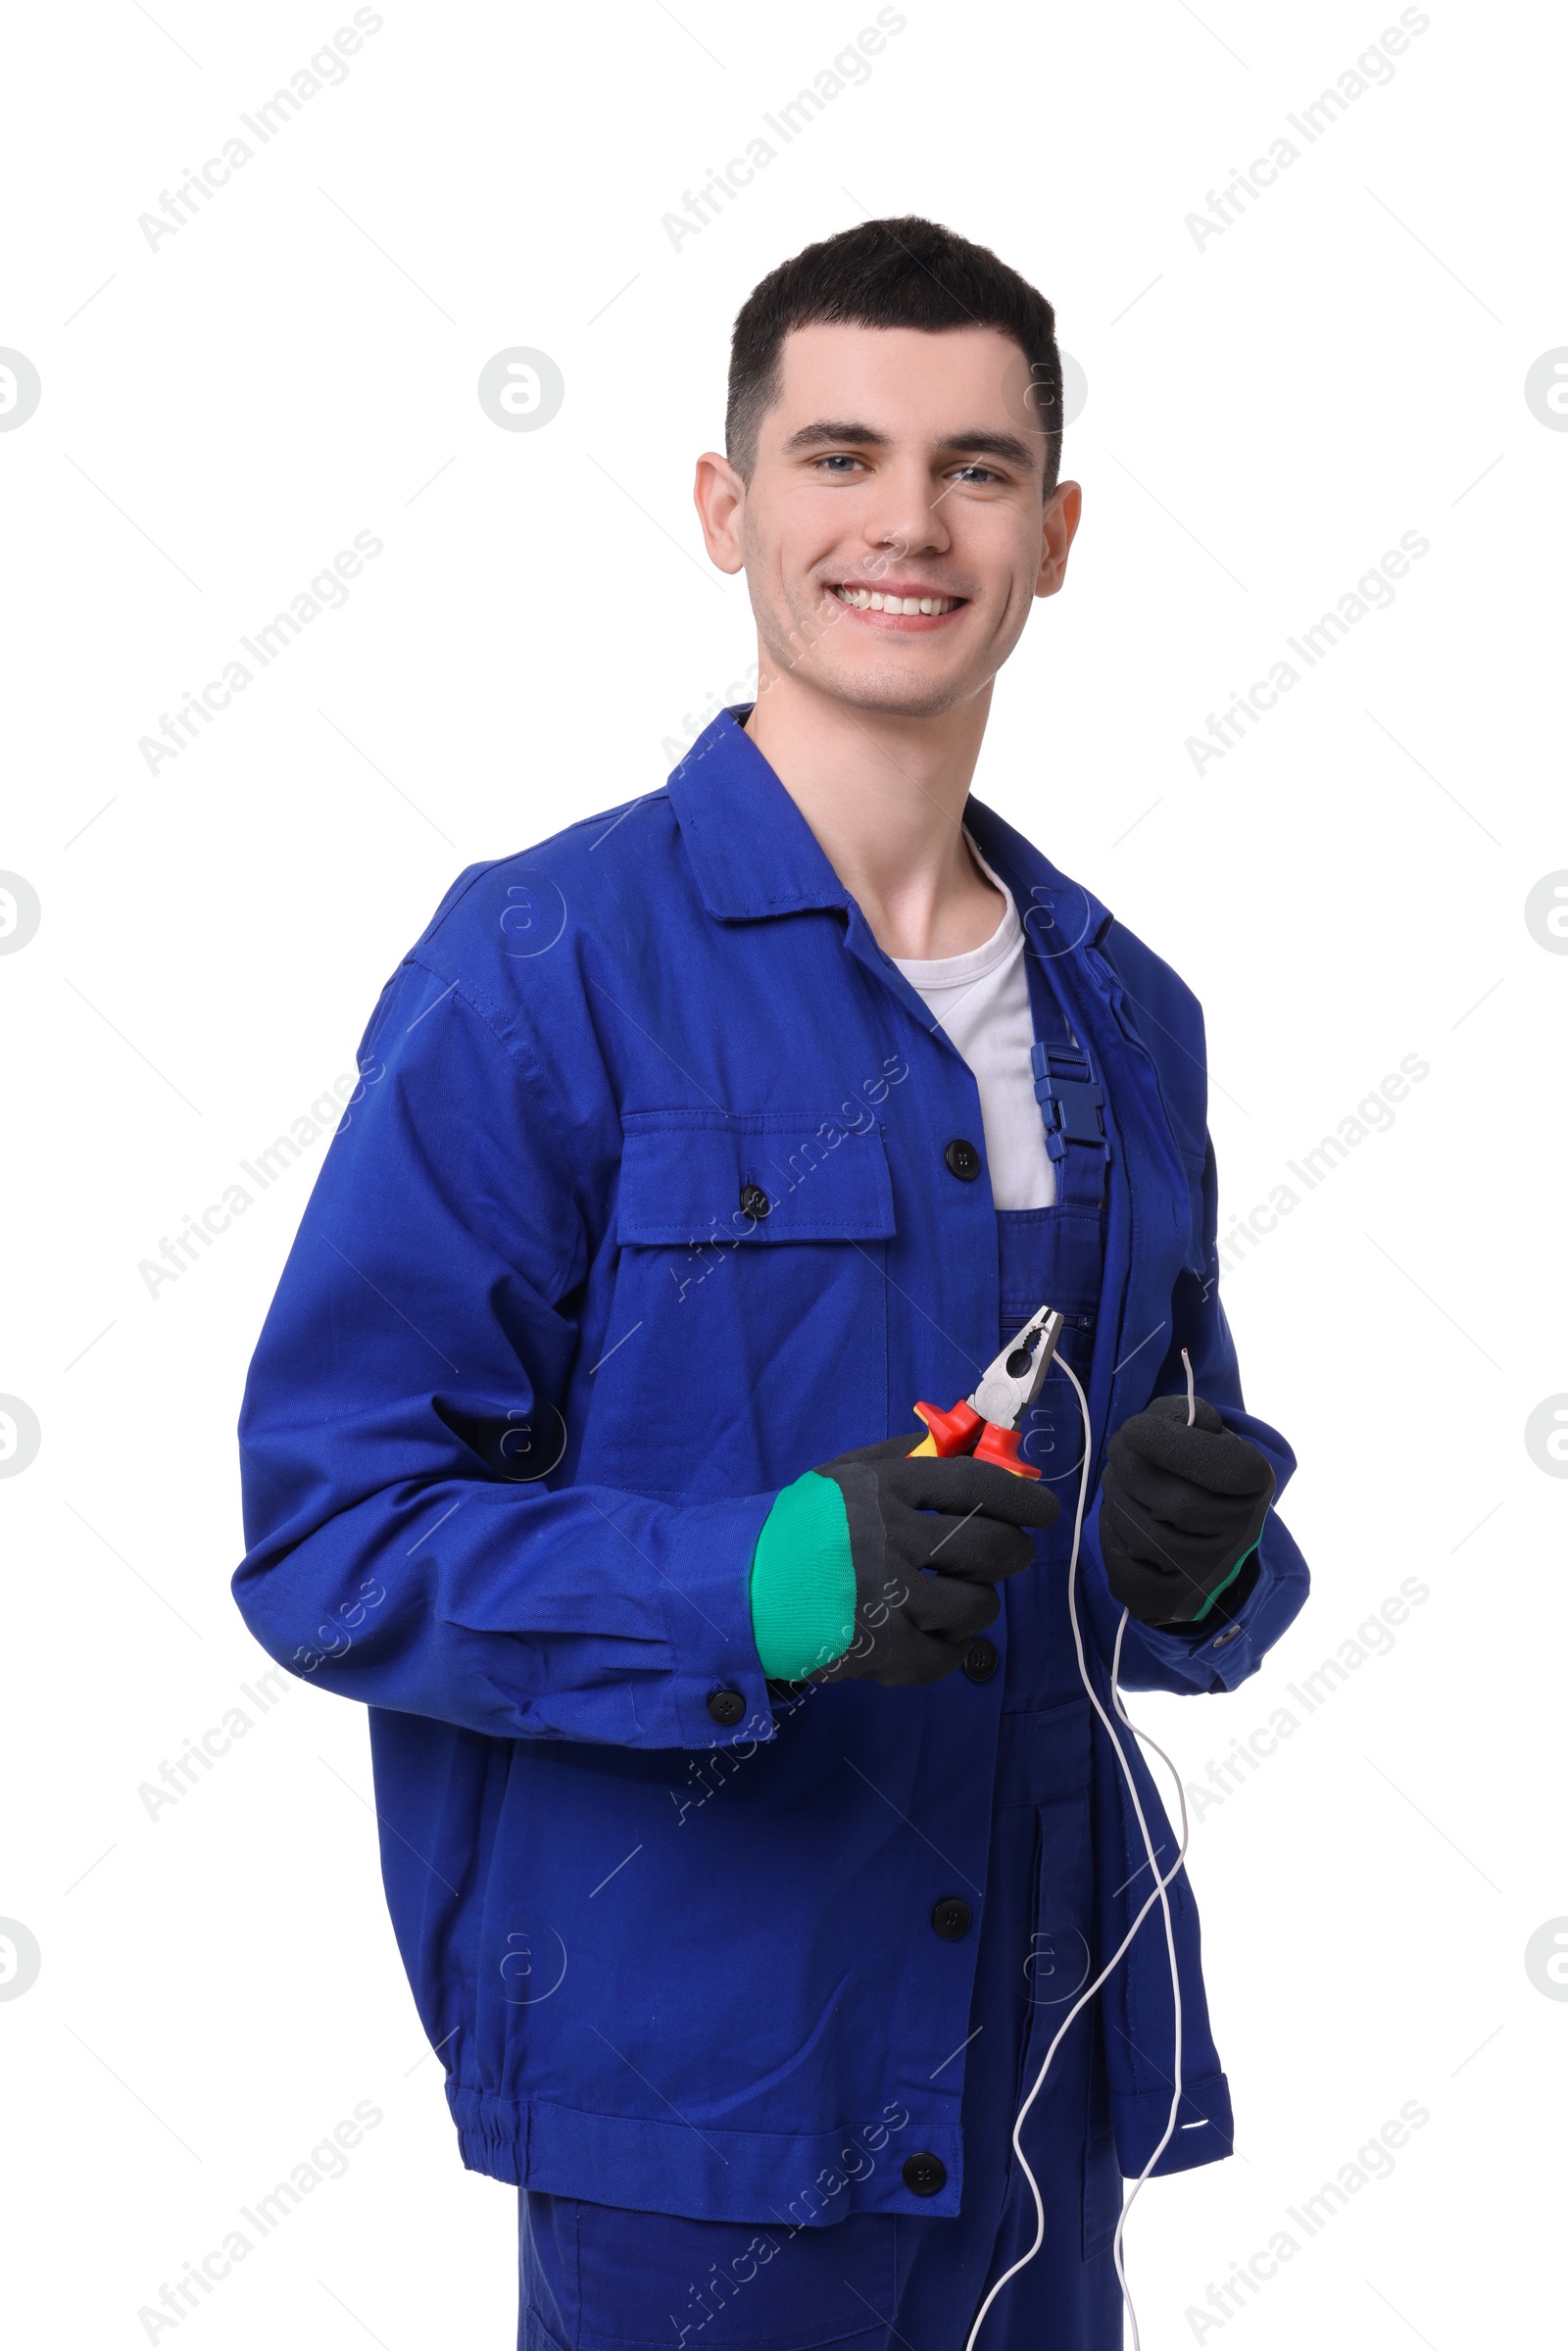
[1182,1508]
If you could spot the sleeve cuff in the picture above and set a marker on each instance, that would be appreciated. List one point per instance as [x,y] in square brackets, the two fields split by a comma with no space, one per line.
[1216,1654]
[717,1690]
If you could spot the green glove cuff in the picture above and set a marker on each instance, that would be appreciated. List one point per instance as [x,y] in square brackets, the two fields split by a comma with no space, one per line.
[1225,1586]
[803,1581]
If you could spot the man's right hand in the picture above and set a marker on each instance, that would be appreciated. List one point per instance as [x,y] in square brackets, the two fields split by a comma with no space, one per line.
[927,1541]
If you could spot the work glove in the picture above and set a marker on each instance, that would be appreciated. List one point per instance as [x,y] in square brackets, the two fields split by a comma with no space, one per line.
[1181,1512]
[883,1567]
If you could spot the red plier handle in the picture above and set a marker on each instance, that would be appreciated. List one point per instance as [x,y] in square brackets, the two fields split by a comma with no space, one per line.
[986,1422]
[954,1432]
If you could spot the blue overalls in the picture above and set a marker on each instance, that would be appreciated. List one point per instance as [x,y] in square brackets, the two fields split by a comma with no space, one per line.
[592,2278]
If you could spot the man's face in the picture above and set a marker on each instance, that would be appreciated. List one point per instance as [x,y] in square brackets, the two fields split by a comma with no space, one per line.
[896,469]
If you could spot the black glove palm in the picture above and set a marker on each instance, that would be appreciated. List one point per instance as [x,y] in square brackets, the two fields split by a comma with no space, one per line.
[930,1542]
[1181,1509]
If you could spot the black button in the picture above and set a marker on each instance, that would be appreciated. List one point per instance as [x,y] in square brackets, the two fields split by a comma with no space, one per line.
[925,2175]
[964,1161]
[727,1706]
[980,1660]
[755,1200]
[951,1918]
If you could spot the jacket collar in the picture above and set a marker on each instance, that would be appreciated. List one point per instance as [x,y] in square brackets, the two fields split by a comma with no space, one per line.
[1060,916]
[754,855]
[752,851]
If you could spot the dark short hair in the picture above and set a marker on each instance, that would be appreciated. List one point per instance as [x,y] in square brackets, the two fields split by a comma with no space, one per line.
[909,272]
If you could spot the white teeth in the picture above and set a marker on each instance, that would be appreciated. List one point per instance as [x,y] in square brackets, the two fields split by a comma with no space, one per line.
[872,599]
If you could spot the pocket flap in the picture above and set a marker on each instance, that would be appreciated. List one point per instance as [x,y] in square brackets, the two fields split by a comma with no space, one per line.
[687,1178]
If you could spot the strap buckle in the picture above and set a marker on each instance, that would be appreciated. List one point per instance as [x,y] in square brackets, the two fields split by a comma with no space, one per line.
[1072,1103]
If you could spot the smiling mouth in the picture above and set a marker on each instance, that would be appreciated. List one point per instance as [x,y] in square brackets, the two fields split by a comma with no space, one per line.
[878,600]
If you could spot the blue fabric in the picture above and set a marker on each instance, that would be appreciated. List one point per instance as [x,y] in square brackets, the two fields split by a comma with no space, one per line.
[591,2277]
[530,1381]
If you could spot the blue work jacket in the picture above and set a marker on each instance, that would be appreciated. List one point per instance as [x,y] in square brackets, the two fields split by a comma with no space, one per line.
[533,1376]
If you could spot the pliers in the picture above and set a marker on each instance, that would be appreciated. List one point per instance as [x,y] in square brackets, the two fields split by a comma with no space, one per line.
[1007,1387]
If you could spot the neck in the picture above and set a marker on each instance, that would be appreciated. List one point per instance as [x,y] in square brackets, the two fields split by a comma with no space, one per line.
[885,796]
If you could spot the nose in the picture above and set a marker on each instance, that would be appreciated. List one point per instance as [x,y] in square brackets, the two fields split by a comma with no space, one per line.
[906,514]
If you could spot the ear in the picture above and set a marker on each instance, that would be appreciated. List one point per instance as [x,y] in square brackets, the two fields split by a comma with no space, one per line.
[720,494]
[1059,525]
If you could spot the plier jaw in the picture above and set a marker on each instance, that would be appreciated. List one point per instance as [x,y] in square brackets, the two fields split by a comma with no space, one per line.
[986,1423]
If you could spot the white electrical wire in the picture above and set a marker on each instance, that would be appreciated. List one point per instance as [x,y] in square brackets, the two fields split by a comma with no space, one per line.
[1160,1896]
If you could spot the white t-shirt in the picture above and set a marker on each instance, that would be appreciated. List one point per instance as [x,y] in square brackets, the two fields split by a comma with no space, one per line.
[981,1002]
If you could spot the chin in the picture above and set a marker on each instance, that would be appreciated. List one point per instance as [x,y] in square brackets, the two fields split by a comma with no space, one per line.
[895,692]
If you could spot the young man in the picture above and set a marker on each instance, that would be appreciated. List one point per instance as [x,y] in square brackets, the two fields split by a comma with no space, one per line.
[749,1828]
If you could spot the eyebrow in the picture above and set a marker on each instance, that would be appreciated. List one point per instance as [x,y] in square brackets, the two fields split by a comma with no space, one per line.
[979,443]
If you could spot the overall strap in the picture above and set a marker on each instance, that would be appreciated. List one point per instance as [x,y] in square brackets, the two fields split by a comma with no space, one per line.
[1072,1105]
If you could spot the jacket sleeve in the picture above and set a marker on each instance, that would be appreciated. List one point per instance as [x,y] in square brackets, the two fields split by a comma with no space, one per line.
[1231,1642]
[403,1415]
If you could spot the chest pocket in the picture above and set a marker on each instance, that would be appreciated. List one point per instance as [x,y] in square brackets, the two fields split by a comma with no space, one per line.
[748,1335]
[693,1179]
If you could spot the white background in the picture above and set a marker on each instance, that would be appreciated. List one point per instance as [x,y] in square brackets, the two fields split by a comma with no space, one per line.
[1266,413]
